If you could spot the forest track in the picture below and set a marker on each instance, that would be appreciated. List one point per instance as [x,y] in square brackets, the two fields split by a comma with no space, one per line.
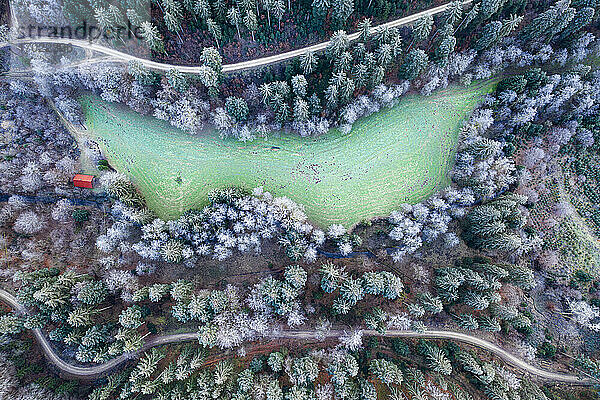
[96,371]
[227,68]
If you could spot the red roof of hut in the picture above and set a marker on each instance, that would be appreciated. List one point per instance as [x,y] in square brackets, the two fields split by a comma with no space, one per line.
[83,181]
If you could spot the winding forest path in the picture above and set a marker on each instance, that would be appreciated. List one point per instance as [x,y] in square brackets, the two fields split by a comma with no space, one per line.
[95,371]
[227,68]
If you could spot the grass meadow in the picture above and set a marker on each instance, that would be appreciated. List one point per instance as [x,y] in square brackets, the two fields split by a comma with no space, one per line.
[400,154]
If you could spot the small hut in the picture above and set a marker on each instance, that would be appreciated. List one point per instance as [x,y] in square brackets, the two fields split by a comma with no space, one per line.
[83,181]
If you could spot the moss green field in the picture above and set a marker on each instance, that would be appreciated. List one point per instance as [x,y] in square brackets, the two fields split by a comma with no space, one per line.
[400,154]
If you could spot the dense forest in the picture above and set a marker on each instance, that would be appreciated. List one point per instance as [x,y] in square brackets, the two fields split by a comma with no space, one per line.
[277,307]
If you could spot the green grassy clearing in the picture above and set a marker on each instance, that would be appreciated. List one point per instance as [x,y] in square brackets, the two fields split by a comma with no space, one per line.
[397,155]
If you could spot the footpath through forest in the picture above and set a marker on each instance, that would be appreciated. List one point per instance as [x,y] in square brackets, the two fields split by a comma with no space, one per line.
[227,68]
[95,371]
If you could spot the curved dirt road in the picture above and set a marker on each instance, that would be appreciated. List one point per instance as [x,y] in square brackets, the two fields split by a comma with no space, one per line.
[259,62]
[100,369]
